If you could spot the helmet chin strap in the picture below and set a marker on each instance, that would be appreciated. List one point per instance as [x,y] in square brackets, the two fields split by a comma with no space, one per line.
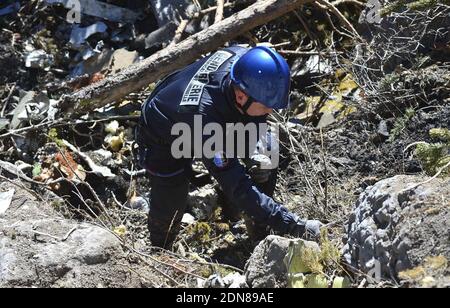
[247,105]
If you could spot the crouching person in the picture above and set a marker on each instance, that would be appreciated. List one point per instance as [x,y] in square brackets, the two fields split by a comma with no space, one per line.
[231,86]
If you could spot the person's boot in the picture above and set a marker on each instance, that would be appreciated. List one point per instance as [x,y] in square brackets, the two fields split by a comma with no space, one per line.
[256,231]
[167,207]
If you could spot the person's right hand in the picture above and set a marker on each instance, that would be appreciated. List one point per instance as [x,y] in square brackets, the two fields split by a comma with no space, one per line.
[259,168]
[307,229]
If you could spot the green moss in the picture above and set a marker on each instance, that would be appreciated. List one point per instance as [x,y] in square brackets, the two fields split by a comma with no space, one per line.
[201,232]
[442,134]
[84,103]
[401,123]
[435,156]
[426,4]
[222,227]
[393,7]
[57,205]
[53,137]
[37,169]
[223,271]
[206,271]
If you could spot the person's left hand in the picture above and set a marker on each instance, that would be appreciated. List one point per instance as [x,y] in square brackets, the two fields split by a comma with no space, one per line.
[307,229]
[256,171]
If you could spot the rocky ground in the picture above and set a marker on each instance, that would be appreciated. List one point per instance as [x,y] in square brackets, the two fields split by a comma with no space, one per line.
[41,248]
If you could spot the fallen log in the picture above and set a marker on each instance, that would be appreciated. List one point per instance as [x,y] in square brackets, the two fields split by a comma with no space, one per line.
[138,76]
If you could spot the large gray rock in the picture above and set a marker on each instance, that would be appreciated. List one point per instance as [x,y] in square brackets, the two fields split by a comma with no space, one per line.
[40,248]
[394,228]
[266,267]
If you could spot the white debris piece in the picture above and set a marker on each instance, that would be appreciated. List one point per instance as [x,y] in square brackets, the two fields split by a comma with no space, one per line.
[188,219]
[32,106]
[108,59]
[235,281]
[79,35]
[112,127]
[138,203]
[5,200]
[314,65]
[232,280]
[39,59]
[200,283]
[123,58]
[215,282]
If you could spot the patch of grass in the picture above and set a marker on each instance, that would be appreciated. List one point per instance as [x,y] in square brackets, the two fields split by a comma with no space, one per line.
[412,274]
[436,263]
[424,273]
[310,267]
[330,254]
[311,260]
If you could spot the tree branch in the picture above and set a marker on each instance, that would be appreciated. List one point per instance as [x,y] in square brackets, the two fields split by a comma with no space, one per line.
[140,75]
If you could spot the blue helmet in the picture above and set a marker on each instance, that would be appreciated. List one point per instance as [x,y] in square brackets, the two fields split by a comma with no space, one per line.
[264,75]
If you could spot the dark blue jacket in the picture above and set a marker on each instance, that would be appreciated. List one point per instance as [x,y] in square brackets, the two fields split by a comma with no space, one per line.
[204,88]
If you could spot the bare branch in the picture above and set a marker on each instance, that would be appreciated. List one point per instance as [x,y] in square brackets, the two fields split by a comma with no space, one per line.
[179,32]
[219,11]
[343,19]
